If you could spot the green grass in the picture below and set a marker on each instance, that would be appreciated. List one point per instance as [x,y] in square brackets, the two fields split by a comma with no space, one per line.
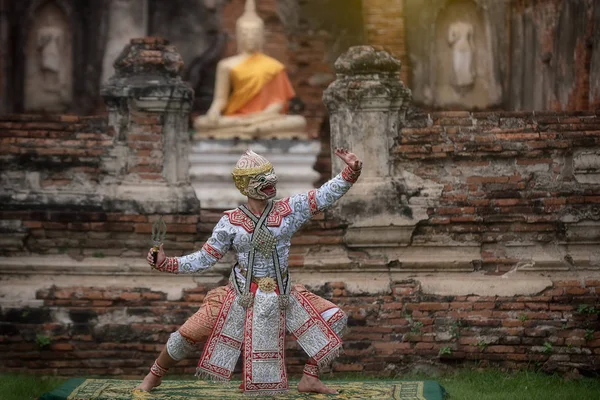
[27,387]
[497,385]
[464,384]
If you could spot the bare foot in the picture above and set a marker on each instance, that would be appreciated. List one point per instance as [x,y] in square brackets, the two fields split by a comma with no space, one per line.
[313,385]
[150,382]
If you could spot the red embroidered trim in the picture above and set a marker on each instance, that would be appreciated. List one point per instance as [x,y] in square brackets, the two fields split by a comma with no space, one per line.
[334,343]
[157,370]
[311,369]
[312,201]
[170,265]
[339,314]
[350,175]
[238,218]
[249,356]
[212,251]
[216,338]
[281,209]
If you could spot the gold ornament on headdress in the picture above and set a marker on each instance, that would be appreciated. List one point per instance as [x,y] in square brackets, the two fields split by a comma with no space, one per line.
[249,165]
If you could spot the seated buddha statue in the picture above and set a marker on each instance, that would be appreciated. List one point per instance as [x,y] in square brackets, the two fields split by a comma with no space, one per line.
[252,91]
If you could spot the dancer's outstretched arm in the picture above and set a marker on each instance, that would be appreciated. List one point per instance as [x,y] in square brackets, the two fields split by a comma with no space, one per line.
[213,250]
[305,205]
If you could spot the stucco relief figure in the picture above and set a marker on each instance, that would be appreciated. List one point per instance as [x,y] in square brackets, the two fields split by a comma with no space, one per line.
[462,64]
[249,317]
[49,70]
[252,91]
[460,39]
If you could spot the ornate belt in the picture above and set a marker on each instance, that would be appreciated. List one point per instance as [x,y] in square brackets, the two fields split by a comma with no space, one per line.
[266,285]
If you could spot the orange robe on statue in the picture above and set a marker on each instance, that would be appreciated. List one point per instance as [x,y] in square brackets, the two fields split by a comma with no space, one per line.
[258,82]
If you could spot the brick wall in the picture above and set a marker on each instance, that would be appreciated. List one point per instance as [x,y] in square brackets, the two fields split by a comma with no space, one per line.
[59,147]
[64,149]
[509,177]
[384,26]
[91,233]
[120,332]
[507,183]
[556,67]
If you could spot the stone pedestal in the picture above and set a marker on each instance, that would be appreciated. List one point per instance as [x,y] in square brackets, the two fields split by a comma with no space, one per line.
[367,104]
[149,107]
[211,163]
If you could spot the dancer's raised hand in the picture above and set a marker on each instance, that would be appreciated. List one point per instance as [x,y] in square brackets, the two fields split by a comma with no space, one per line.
[349,158]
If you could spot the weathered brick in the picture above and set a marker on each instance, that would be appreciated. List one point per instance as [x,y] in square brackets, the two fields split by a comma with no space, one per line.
[130,296]
[428,306]
[62,347]
[578,291]
[567,283]
[194,297]
[512,306]
[500,349]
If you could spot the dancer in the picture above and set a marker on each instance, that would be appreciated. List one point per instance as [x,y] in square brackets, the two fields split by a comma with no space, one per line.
[250,316]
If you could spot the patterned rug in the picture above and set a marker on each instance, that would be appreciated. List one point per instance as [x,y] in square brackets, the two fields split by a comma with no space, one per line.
[113,389]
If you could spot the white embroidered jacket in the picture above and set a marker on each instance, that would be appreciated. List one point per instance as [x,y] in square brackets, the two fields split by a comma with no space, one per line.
[235,229]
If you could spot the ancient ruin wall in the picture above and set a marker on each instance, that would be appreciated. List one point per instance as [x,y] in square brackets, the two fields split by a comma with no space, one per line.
[101,327]
[473,187]
[58,176]
[522,186]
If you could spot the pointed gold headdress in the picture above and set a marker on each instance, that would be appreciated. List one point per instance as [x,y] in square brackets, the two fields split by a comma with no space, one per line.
[248,165]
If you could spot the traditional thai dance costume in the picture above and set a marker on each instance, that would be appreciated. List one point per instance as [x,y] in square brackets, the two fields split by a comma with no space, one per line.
[250,315]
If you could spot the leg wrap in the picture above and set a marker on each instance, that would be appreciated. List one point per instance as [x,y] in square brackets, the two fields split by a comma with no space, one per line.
[157,370]
[311,368]
[178,347]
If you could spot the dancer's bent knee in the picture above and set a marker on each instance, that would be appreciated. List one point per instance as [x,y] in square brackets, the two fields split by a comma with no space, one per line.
[339,326]
[179,347]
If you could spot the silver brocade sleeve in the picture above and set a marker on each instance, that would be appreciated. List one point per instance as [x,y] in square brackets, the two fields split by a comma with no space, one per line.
[305,205]
[213,250]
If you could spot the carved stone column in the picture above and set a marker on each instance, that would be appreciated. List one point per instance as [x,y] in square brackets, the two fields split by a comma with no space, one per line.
[148,106]
[367,104]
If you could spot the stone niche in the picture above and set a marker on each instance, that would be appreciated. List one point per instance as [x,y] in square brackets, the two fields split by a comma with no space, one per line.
[49,60]
[53,55]
[455,52]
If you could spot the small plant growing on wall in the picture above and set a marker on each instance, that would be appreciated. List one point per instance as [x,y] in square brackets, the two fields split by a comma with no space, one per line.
[446,350]
[416,328]
[455,329]
[587,309]
[42,341]
[589,335]
[523,317]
